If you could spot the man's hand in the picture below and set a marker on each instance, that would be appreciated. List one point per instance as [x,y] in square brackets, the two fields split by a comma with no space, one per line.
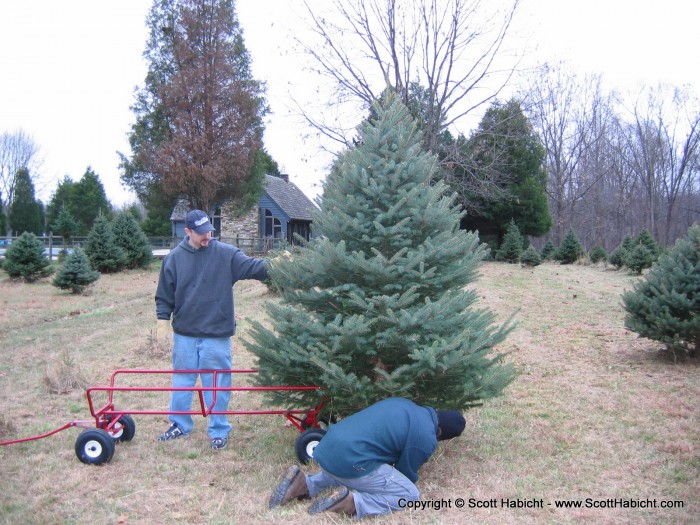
[163,338]
[285,255]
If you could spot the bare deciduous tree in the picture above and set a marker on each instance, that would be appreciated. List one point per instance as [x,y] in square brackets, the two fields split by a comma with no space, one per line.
[450,49]
[569,115]
[663,147]
[614,171]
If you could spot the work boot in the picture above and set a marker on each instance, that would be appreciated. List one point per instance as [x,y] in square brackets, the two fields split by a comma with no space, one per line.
[292,486]
[341,502]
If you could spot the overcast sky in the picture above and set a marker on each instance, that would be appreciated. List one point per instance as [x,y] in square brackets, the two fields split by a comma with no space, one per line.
[68,70]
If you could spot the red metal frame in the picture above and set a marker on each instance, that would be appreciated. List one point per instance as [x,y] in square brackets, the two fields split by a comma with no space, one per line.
[107,417]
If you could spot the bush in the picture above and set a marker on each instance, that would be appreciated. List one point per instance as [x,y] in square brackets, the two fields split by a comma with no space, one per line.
[25,258]
[75,274]
[665,306]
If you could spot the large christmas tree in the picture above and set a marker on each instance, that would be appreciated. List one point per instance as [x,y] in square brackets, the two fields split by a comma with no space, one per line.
[378,305]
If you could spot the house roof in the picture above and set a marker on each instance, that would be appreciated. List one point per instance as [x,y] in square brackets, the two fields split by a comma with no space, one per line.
[180,210]
[286,194]
[290,198]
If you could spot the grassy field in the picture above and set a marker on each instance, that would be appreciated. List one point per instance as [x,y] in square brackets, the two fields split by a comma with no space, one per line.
[595,413]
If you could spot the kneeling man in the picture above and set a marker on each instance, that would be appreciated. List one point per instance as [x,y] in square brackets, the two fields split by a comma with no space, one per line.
[372,458]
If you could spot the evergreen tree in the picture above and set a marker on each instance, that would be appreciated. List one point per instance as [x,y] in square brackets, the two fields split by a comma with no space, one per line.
[530,257]
[131,239]
[627,243]
[25,258]
[619,254]
[638,258]
[89,200]
[379,305]
[597,254]
[647,239]
[548,250]
[84,200]
[66,226]
[26,213]
[75,274]
[102,250]
[505,148]
[617,257]
[665,305]
[570,249]
[512,246]
[61,198]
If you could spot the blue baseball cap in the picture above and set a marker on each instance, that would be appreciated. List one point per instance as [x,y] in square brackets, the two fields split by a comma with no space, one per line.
[198,222]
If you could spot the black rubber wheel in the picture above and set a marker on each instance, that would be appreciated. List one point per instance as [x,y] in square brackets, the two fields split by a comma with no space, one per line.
[124,429]
[94,446]
[306,444]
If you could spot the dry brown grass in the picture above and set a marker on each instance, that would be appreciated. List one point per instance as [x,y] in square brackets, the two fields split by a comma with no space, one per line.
[595,413]
[63,375]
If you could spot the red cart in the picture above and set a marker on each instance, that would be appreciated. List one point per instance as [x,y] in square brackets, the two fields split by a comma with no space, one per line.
[96,444]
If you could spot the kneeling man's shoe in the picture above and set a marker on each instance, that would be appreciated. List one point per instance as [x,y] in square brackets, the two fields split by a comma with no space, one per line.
[341,501]
[292,486]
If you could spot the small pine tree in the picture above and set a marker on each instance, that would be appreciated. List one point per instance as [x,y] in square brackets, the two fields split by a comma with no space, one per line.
[25,258]
[101,249]
[548,251]
[65,225]
[598,254]
[512,246]
[647,239]
[129,236]
[570,249]
[530,257]
[627,243]
[617,257]
[75,274]
[380,305]
[665,305]
[638,258]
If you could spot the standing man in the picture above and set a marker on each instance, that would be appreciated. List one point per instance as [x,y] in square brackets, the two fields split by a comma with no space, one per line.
[373,457]
[195,287]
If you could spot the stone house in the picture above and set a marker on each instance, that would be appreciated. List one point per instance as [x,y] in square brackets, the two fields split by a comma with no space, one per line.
[282,211]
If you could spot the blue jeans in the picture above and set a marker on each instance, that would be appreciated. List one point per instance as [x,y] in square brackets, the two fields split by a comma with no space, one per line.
[376,493]
[191,353]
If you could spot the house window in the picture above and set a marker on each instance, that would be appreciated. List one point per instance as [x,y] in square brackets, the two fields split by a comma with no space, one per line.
[273,226]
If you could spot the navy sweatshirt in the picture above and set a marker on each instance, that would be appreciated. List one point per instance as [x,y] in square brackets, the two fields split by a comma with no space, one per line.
[394,431]
[196,287]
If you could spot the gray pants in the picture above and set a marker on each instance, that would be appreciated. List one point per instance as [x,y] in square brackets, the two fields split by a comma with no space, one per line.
[378,492]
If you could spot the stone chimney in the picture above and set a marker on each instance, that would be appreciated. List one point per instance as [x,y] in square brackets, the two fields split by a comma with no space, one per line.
[284,177]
